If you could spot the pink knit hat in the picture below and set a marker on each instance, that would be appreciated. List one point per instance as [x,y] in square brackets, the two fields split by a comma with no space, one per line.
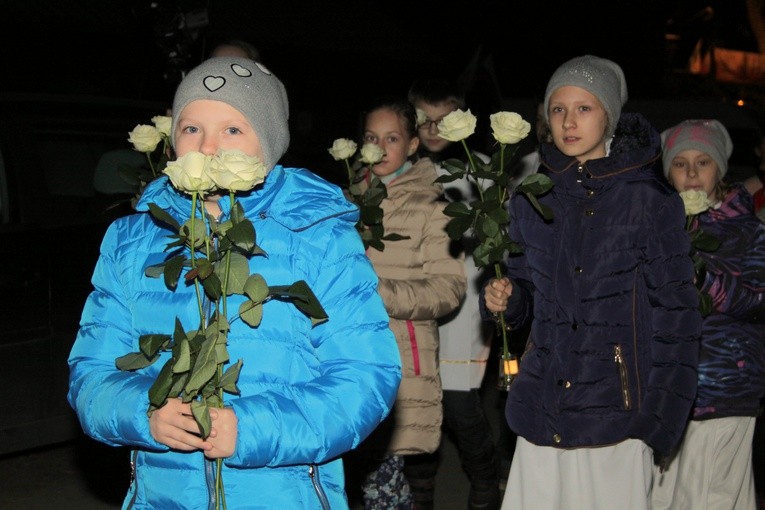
[705,135]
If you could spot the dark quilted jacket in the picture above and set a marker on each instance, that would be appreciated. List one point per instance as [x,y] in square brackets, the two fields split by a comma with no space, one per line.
[614,341]
[732,358]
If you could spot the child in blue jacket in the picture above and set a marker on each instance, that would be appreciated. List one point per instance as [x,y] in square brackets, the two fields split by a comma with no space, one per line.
[308,393]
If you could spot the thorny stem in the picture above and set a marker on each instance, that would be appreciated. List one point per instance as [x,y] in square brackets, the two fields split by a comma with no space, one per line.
[471,169]
[501,318]
[151,164]
[501,166]
[350,172]
[194,197]
[497,269]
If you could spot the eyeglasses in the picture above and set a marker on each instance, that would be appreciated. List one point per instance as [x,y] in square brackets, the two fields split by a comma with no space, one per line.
[429,123]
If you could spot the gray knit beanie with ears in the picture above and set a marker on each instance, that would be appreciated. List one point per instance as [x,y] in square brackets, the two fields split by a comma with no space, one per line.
[250,88]
[600,77]
[705,135]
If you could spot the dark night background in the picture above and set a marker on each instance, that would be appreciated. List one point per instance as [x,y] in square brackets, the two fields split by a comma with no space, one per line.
[333,56]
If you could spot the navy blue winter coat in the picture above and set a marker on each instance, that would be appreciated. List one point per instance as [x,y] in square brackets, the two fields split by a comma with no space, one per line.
[613,347]
[732,358]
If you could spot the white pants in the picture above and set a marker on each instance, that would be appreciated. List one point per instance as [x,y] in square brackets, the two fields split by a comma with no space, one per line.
[614,477]
[712,469]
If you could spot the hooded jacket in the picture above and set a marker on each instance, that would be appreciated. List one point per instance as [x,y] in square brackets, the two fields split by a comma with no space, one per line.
[308,394]
[613,346]
[732,358]
[420,281]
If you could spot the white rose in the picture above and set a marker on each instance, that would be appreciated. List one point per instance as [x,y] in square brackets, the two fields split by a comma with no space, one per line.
[145,138]
[509,127]
[163,124]
[236,171]
[695,201]
[342,148]
[190,173]
[457,126]
[371,153]
[421,117]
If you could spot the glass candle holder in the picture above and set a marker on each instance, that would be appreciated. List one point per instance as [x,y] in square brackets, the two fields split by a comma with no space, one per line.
[508,369]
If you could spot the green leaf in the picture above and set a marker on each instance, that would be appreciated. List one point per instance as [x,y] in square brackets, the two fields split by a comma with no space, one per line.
[256,288]
[134,361]
[251,313]
[159,391]
[242,235]
[230,377]
[394,237]
[179,381]
[481,255]
[443,179]
[455,167]
[201,413]
[212,286]
[172,271]
[202,269]
[204,367]
[178,332]
[705,304]
[162,216]
[371,214]
[535,184]
[375,194]
[182,357]
[237,213]
[305,300]
[155,271]
[705,242]
[493,194]
[488,226]
[499,215]
[457,209]
[150,345]
[542,209]
[374,243]
[457,227]
[199,234]
[180,240]
[239,271]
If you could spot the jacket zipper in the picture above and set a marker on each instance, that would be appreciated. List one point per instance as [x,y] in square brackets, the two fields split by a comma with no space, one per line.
[622,367]
[415,349]
[133,457]
[313,473]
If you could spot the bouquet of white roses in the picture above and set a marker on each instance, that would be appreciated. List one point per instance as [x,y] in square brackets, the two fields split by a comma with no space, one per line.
[216,261]
[154,142]
[370,224]
[695,203]
[489,217]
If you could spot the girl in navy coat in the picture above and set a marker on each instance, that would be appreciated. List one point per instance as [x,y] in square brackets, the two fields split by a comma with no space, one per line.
[609,372]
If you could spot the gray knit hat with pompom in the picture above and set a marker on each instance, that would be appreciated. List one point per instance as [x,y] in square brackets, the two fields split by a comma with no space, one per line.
[250,88]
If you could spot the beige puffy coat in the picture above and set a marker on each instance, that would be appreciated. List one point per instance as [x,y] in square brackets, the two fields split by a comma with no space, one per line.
[419,282]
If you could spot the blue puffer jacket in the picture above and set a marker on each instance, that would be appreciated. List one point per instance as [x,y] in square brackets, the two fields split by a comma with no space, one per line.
[307,394]
[613,346]
[732,359]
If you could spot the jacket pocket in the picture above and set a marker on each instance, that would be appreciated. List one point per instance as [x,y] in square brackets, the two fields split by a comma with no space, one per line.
[621,367]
